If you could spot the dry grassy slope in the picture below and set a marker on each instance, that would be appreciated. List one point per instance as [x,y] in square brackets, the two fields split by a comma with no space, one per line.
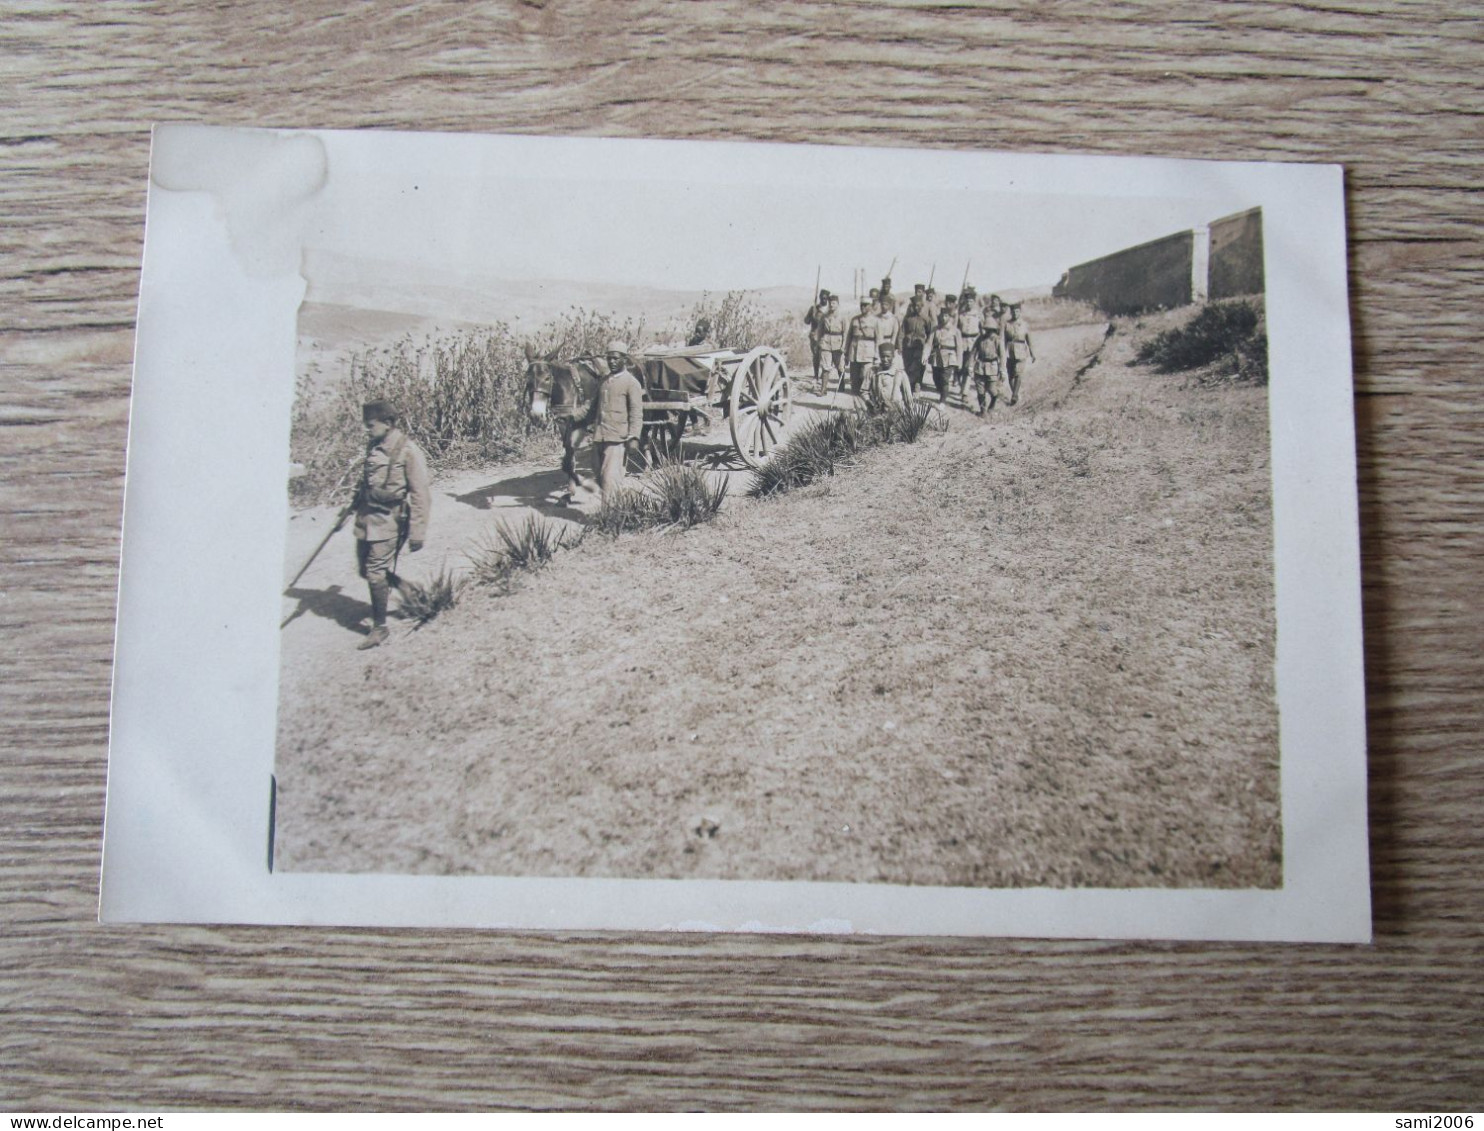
[1032,652]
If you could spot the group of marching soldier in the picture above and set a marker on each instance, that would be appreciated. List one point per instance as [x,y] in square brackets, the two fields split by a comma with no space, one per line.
[886,354]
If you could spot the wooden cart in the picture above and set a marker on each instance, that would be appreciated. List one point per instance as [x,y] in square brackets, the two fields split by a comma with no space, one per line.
[691,387]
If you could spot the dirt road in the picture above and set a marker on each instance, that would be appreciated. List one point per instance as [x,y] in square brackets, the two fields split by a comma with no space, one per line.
[1035,651]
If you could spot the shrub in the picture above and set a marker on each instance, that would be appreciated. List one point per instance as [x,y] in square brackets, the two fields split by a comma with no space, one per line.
[422,601]
[670,496]
[908,424]
[624,511]
[526,548]
[684,495]
[1231,335]
[816,449]
[582,332]
[1252,360]
[461,395]
[738,321]
[531,544]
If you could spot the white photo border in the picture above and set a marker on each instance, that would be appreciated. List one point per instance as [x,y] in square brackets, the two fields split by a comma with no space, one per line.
[195,691]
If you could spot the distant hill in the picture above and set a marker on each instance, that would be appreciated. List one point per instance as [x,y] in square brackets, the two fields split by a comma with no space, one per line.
[404,298]
[352,302]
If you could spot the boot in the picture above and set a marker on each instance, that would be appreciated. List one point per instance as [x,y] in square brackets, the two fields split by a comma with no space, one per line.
[375,638]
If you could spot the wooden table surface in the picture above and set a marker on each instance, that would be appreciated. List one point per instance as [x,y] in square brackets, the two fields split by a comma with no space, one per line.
[169,1017]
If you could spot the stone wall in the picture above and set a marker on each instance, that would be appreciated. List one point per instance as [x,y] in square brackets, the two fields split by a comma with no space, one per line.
[1236,255]
[1153,275]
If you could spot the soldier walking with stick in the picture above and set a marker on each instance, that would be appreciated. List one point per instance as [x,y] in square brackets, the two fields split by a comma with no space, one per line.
[391,508]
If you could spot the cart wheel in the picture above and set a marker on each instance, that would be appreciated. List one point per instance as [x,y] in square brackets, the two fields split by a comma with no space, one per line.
[761,404]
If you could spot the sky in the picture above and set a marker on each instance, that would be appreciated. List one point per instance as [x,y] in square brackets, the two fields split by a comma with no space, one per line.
[613,216]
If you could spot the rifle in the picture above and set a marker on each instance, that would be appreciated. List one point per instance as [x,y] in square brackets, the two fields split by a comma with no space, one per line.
[931,273]
[965,283]
[890,269]
[817,272]
[345,512]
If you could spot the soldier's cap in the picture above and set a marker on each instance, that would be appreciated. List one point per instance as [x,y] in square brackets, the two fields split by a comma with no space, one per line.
[378,410]
[919,286]
[888,345]
[875,291]
[950,298]
[886,282]
[824,294]
[932,290]
[865,302]
[619,346]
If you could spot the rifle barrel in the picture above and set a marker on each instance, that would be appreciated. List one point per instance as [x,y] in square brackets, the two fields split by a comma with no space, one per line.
[323,542]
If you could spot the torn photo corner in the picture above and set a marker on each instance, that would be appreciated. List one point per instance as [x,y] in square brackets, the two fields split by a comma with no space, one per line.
[636,535]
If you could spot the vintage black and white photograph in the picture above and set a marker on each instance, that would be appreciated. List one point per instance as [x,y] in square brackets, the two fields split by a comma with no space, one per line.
[666,511]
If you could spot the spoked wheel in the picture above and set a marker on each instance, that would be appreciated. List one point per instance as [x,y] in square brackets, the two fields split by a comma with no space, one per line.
[760,406]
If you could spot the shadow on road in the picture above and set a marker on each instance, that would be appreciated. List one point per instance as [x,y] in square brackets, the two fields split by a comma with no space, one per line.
[531,491]
[332,604]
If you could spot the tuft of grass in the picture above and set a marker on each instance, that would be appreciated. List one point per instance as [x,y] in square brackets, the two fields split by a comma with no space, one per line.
[1229,335]
[671,496]
[908,424]
[423,601]
[818,448]
[625,511]
[532,544]
[496,557]
[683,494]
[809,455]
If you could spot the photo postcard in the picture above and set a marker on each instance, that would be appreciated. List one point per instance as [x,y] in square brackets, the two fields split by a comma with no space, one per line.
[595,534]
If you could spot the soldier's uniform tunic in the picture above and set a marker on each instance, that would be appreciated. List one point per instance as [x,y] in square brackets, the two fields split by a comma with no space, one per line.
[988,363]
[860,347]
[969,327]
[1018,353]
[887,325]
[814,319]
[945,353]
[916,330]
[391,508]
[832,342]
[616,419]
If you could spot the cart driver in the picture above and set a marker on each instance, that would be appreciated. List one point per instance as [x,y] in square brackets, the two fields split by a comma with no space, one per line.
[615,418]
